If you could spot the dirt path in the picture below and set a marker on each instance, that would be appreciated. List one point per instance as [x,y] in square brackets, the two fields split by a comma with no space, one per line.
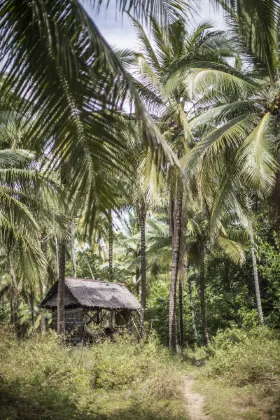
[195,402]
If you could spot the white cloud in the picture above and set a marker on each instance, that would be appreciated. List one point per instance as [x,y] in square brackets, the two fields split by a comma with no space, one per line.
[118,30]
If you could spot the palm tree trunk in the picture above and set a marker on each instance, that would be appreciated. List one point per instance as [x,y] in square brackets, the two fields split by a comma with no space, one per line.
[32,307]
[61,288]
[42,319]
[14,297]
[111,244]
[142,220]
[73,251]
[181,318]
[256,279]
[176,241]
[192,311]
[137,281]
[202,296]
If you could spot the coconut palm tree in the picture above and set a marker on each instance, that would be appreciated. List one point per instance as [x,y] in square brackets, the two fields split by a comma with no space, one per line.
[199,246]
[170,101]
[75,84]
[236,130]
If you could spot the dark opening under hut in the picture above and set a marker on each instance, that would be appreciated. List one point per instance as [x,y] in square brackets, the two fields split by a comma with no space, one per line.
[94,306]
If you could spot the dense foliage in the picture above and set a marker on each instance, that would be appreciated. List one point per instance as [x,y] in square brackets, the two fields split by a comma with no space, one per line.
[178,198]
[158,168]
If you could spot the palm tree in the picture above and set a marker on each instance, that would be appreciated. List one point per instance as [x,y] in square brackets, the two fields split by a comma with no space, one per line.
[75,83]
[257,24]
[199,246]
[155,65]
[236,130]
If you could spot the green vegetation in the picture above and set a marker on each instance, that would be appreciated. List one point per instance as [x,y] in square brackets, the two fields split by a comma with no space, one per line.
[156,167]
[241,379]
[120,380]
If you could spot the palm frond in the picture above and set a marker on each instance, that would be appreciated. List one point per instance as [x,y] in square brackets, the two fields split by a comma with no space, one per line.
[257,156]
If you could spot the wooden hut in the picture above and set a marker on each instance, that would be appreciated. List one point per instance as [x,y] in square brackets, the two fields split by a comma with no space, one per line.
[90,303]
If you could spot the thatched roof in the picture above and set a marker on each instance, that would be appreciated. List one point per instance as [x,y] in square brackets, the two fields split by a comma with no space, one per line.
[92,294]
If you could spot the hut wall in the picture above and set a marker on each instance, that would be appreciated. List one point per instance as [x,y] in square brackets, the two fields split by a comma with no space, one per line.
[74,321]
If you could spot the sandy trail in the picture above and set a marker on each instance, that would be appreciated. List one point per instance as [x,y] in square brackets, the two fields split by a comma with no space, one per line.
[195,402]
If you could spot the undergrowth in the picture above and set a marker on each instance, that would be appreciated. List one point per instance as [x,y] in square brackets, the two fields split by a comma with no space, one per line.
[241,376]
[122,380]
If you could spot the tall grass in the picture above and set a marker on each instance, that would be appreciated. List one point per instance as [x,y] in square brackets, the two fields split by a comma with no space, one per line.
[241,378]
[122,380]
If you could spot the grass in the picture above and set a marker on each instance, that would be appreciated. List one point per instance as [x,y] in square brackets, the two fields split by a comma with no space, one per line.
[124,380]
[241,379]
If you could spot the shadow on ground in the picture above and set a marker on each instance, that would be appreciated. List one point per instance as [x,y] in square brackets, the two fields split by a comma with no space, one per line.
[19,402]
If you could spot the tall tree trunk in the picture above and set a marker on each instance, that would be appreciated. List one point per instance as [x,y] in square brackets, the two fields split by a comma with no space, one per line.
[142,220]
[137,280]
[42,318]
[194,329]
[111,244]
[14,297]
[181,318]
[176,241]
[32,307]
[256,279]
[202,295]
[86,258]
[73,251]
[61,287]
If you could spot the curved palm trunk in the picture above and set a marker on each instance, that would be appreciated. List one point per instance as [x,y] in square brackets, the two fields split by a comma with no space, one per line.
[176,241]
[111,244]
[256,280]
[61,288]
[202,295]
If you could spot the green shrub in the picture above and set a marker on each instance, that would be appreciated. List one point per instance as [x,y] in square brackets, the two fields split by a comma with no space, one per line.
[245,357]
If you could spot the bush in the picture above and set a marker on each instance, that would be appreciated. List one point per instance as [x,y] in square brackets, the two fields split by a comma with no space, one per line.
[246,357]
[121,380]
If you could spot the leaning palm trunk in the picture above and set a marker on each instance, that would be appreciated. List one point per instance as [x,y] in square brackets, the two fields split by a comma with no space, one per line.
[176,241]
[61,288]
[202,295]
[256,279]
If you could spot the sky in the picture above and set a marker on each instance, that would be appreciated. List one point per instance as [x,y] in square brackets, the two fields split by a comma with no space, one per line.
[119,31]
